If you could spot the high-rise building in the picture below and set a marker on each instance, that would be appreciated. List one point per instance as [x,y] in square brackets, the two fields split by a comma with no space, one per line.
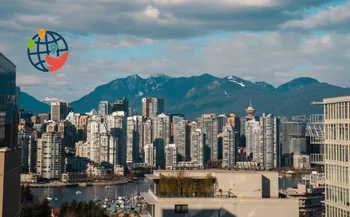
[228,146]
[222,121]
[145,107]
[104,140]
[298,145]
[49,156]
[252,134]
[28,144]
[291,130]
[35,119]
[132,138]
[209,126]
[161,136]
[198,148]
[44,117]
[151,107]
[103,108]
[59,110]
[336,150]
[52,127]
[132,112]
[233,119]
[193,126]
[150,155]
[10,152]
[145,136]
[269,141]
[182,139]
[117,128]
[121,105]
[68,132]
[262,140]
[170,156]
[175,118]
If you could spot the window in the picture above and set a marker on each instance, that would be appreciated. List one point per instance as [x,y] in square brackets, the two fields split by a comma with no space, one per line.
[181,208]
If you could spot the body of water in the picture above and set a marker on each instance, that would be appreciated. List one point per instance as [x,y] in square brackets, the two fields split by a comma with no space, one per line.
[127,190]
[59,195]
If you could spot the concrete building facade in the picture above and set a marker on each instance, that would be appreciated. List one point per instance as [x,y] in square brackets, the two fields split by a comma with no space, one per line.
[151,107]
[59,110]
[209,126]
[103,108]
[336,146]
[150,155]
[170,156]
[49,156]
[161,136]
[234,194]
[198,148]
[228,147]
[181,139]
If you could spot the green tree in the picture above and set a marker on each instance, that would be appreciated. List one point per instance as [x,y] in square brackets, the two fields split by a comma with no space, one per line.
[64,208]
[73,206]
[26,195]
[44,209]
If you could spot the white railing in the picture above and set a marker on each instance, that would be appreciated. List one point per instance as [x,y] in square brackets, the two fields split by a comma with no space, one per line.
[315,129]
[317,159]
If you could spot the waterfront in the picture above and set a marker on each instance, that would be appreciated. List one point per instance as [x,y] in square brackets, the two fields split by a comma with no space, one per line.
[88,193]
[126,190]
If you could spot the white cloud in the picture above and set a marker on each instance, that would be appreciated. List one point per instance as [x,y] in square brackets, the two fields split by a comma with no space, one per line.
[160,19]
[276,56]
[332,17]
[151,12]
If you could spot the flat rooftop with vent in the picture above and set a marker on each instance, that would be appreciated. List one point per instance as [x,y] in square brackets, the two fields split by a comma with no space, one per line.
[197,193]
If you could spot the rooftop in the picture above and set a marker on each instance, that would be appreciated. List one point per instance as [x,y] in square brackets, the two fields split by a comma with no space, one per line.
[337,99]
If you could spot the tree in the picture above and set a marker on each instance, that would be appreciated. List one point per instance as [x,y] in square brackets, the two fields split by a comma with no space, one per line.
[26,195]
[73,206]
[29,207]
[44,210]
[208,184]
[64,208]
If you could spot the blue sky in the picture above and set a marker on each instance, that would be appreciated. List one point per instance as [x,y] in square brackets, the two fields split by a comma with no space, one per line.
[263,40]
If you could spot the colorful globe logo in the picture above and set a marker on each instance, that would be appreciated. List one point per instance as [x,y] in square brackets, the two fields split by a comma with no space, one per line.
[47,51]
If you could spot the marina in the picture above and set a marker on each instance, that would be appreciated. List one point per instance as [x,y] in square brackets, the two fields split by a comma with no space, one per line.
[96,192]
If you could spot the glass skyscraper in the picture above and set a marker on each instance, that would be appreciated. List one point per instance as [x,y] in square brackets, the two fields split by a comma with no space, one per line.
[10,153]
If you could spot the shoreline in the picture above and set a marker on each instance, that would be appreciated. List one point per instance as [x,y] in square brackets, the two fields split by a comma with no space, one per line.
[81,184]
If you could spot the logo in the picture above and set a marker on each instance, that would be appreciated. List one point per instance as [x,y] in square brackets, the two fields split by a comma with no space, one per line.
[47,51]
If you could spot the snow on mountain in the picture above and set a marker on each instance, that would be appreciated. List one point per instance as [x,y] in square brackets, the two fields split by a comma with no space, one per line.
[236,80]
[48,100]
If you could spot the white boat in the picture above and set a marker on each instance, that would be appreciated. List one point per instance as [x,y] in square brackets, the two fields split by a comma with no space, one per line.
[48,194]
[78,192]
[108,187]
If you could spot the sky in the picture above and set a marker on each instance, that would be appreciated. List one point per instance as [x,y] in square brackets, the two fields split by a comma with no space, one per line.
[259,40]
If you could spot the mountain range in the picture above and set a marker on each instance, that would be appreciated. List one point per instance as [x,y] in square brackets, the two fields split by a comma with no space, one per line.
[206,93]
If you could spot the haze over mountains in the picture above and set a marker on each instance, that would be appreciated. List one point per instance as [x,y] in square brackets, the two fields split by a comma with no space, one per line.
[195,95]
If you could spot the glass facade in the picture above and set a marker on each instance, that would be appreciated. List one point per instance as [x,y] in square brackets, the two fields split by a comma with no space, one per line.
[8,108]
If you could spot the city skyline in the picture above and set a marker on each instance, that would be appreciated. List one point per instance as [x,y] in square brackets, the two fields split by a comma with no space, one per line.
[169,34]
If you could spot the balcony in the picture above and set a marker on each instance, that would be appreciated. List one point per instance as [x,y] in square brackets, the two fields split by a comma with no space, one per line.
[317,159]
[315,129]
